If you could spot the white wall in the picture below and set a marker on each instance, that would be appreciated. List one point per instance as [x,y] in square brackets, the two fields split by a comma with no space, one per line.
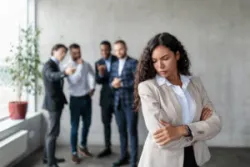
[215,33]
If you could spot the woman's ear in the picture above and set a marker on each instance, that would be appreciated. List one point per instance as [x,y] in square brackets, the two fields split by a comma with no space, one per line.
[177,55]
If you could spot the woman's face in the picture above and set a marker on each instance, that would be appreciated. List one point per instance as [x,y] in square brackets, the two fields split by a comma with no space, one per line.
[165,61]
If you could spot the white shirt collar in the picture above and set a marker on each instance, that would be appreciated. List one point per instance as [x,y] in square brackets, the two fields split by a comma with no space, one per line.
[108,59]
[55,60]
[123,59]
[184,79]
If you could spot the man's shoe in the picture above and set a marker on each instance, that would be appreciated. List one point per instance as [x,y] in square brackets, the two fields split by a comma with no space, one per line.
[85,152]
[121,162]
[75,159]
[58,160]
[104,153]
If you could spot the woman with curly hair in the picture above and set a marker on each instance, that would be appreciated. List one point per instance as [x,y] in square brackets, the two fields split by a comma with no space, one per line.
[176,108]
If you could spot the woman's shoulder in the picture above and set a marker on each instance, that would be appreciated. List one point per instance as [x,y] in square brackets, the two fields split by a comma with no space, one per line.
[149,84]
[196,80]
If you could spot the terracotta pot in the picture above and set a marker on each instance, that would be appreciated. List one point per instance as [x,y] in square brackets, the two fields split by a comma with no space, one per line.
[18,109]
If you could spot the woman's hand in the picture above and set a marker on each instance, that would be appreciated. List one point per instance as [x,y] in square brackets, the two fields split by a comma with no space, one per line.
[169,133]
[206,113]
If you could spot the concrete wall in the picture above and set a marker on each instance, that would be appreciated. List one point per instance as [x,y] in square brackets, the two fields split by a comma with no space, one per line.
[215,33]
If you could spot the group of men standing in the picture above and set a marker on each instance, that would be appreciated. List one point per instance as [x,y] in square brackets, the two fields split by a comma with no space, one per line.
[116,75]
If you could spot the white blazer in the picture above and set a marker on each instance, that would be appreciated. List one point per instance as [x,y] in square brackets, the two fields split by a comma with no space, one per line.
[160,103]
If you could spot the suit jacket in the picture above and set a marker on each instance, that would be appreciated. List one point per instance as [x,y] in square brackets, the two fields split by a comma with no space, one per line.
[126,92]
[160,103]
[107,96]
[54,99]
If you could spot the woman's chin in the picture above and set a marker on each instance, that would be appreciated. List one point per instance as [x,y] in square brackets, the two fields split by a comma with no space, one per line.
[163,74]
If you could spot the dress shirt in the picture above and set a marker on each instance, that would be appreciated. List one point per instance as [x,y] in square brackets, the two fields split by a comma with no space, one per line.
[121,65]
[108,63]
[187,103]
[82,81]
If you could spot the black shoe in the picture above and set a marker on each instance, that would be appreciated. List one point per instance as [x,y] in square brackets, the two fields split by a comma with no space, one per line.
[104,153]
[58,160]
[55,165]
[121,162]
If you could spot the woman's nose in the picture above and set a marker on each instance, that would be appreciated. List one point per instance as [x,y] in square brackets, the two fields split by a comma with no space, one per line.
[161,65]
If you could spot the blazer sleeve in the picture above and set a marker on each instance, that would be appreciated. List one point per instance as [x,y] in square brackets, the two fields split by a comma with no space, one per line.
[151,112]
[205,130]
[51,74]
[98,78]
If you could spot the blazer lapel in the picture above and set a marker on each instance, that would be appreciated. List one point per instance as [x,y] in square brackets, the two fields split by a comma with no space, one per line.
[193,93]
[125,66]
[175,105]
[54,64]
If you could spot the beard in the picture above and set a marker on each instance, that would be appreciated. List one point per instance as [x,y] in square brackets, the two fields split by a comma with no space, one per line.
[76,58]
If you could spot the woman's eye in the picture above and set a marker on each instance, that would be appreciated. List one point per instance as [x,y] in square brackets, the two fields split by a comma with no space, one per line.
[165,58]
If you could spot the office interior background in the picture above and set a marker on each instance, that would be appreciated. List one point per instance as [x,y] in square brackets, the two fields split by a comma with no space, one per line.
[215,33]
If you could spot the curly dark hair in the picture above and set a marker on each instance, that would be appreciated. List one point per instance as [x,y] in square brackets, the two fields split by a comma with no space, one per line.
[145,69]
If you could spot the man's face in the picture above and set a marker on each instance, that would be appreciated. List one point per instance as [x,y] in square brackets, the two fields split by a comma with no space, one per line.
[60,53]
[75,53]
[105,51]
[120,50]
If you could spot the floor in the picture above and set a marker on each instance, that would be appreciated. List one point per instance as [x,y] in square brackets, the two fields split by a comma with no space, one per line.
[221,157]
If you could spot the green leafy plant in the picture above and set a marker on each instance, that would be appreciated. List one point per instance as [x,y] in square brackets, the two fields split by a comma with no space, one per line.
[23,65]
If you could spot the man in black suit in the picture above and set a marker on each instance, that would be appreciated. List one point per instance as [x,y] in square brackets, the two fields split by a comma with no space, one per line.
[103,68]
[54,100]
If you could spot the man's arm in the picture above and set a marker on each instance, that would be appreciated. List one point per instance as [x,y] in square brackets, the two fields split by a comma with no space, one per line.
[51,74]
[98,77]
[91,75]
[130,83]
[77,75]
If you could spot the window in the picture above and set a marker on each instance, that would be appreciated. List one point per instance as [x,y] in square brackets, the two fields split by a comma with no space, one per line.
[13,15]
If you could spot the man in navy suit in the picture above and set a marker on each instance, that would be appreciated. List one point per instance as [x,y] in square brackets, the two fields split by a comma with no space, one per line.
[122,82]
[102,76]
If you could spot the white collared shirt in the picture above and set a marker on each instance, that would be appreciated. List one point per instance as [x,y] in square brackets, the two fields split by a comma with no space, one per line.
[121,65]
[108,63]
[187,103]
[55,60]
[82,81]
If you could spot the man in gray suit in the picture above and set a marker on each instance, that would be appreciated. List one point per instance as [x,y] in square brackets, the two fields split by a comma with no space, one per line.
[54,100]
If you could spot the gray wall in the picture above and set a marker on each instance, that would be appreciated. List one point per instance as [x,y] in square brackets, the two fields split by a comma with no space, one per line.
[215,33]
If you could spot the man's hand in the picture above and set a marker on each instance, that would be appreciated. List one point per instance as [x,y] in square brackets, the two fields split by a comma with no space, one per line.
[79,61]
[91,93]
[116,83]
[69,70]
[101,69]
[206,113]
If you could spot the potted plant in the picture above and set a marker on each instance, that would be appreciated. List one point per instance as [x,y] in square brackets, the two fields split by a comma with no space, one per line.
[23,66]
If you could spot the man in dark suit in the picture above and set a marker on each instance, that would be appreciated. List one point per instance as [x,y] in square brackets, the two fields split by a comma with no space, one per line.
[102,76]
[54,100]
[122,82]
